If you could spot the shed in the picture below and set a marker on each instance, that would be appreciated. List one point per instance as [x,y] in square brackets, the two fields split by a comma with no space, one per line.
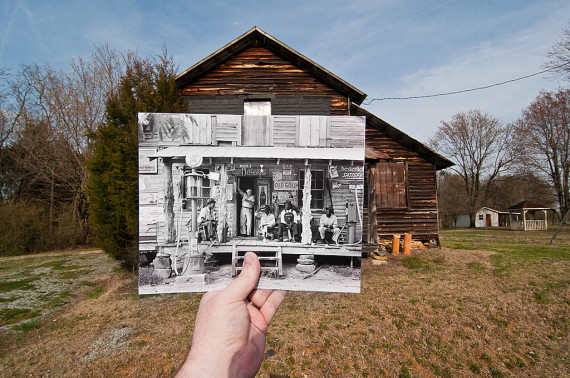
[485,217]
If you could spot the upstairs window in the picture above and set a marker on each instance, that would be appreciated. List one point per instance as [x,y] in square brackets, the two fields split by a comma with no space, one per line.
[256,125]
[257,107]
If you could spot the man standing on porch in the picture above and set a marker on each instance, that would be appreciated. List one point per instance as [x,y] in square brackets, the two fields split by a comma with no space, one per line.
[246,215]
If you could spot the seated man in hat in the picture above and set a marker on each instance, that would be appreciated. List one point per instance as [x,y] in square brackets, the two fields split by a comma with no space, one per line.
[266,222]
[288,223]
[207,221]
[329,226]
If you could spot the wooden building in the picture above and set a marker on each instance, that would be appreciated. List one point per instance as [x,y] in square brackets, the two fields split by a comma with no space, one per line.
[258,74]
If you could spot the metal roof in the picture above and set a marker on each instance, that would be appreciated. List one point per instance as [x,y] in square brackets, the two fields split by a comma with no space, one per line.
[255,152]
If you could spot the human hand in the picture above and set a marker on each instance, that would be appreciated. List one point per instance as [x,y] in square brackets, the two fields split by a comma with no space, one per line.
[229,334]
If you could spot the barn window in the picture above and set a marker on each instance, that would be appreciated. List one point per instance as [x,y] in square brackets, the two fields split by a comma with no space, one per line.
[257,107]
[317,189]
[391,183]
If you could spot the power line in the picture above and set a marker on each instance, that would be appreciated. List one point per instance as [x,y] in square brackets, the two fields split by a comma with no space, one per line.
[465,90]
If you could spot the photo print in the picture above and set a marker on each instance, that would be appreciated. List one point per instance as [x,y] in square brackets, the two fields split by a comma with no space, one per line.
[213,187]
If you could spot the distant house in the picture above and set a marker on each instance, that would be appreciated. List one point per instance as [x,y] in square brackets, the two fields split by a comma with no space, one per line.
[485,217]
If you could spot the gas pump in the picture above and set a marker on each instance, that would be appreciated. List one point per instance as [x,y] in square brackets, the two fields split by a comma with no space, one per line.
[351,218]
[193,180]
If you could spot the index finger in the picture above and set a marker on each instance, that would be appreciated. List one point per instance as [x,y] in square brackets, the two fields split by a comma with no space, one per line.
[272,303]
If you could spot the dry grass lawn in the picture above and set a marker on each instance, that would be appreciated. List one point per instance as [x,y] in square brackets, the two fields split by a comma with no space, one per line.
[489,303]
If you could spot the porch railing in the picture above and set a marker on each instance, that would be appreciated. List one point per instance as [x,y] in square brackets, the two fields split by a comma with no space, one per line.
[531,225]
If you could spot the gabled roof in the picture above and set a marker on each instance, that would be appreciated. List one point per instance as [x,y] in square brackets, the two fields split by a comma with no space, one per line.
[257,37]
[402,138]
[493,210]
[527,205]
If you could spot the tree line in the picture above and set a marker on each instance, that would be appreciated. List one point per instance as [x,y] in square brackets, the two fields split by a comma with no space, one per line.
[68,150]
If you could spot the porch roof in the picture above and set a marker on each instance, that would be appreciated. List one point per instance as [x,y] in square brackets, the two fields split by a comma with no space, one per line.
[256,152]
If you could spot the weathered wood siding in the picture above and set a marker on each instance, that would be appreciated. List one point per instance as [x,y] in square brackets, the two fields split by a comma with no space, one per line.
[420,217]
[258,70]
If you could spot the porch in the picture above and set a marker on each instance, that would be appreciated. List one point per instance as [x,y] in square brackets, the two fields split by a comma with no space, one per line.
[254,245]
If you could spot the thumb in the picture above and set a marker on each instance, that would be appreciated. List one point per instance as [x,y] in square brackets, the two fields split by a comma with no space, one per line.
[240,288]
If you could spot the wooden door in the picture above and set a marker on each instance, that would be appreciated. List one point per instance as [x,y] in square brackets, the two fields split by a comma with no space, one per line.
[489,220]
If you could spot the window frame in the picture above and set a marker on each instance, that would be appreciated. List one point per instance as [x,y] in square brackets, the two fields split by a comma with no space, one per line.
[314,189]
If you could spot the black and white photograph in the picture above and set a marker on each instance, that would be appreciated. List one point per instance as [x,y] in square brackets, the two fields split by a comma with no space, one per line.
[289,188]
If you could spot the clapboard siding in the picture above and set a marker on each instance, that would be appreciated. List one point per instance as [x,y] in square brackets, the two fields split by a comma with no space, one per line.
[257,70]
[301,105]
[214,104]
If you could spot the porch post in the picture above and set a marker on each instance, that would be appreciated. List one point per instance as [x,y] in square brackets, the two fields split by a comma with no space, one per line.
[170,236]
[222,204]
[306,234]
[524,219]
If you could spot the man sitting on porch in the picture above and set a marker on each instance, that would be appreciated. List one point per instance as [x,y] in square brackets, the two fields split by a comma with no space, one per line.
[266,222]
[288,223]
[329,225]
[207,221]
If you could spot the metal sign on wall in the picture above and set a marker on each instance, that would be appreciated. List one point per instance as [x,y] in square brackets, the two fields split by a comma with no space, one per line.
[353,172]
[286,185]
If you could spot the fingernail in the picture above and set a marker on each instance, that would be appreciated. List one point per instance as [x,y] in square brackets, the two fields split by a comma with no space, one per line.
[246,261]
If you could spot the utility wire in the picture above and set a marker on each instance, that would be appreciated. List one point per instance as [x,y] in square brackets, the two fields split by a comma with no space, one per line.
[466,90]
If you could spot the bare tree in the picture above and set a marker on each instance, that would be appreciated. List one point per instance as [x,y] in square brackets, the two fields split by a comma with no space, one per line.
[559,56]
[479,145]
[451,197]
[544,141]
[60,113]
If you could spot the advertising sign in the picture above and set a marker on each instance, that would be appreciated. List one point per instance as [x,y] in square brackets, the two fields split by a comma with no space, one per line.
[286,185]
[353,172]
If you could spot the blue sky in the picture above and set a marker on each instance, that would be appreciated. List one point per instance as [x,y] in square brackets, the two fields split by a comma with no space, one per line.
[386,48]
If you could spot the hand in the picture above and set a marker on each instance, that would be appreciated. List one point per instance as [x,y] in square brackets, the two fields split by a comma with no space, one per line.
[229,335]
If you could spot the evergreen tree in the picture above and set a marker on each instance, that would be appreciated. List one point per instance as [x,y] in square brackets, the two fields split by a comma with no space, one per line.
[148,86]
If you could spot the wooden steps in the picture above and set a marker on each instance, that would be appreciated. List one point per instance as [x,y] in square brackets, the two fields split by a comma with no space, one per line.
[270,258]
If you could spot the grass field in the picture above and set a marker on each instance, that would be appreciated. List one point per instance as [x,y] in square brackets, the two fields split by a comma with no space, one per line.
[489,303]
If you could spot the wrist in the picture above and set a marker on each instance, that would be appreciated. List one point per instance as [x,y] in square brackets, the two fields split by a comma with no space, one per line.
[204,365]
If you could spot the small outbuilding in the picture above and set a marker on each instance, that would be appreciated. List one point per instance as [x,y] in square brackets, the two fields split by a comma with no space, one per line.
[485,217]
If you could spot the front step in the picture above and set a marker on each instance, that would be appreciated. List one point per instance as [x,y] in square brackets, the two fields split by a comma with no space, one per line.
[264,253]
